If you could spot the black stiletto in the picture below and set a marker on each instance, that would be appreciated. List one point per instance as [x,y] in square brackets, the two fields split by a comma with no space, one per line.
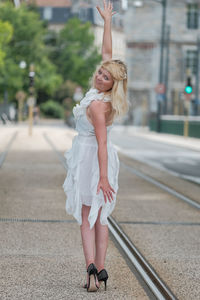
[92,273]
[103,276]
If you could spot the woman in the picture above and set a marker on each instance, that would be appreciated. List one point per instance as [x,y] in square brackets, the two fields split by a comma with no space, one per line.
[92,180]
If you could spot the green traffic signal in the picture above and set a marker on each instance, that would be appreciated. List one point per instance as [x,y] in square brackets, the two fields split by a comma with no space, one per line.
[188,89]
[188,86]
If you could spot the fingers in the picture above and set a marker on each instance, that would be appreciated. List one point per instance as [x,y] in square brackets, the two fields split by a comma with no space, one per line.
[98,189]
[105,198]
[107,191]
[109,194]
[112,189]
[108,6]
[99,9]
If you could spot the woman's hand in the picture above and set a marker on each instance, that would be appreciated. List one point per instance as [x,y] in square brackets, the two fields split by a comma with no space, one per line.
[106,188]
[107,13]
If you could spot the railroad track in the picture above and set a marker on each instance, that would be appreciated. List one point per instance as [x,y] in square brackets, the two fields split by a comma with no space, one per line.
[157,287]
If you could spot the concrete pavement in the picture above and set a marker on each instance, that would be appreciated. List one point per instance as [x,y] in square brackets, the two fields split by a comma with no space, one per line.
[187,142]
[40,251]
[39,258]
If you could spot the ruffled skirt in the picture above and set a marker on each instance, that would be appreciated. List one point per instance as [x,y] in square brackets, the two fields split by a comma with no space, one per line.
[80,185]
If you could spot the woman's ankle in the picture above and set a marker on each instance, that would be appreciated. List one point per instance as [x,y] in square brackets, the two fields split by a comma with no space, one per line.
[99,267]
[89,262]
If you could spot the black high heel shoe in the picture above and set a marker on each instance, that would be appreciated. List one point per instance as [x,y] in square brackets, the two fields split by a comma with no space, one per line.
[102,276]
[92,273]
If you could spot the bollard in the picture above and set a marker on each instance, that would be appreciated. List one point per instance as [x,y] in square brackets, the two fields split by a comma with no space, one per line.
[30,103]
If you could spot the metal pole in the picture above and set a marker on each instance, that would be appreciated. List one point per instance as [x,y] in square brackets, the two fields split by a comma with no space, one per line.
[164,5]
[162,41]
[197,77]
[167,68]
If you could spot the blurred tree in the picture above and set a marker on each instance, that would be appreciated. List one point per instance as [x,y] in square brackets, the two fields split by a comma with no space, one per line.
[27,44]
[6,31]
[66,90]
[74,52]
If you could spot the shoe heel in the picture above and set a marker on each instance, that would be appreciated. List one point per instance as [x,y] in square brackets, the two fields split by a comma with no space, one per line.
[105,282]
[103,277]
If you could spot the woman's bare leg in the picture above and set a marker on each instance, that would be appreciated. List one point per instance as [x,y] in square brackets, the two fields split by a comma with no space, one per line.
[88,237]
[101,240]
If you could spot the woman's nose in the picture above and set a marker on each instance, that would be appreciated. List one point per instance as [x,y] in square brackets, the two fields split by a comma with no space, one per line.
[99,77]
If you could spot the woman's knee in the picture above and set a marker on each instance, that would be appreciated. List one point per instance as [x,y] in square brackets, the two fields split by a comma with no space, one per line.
[85,213]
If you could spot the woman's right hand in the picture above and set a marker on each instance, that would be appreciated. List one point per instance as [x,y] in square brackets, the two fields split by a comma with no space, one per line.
[106,188]
[107,13]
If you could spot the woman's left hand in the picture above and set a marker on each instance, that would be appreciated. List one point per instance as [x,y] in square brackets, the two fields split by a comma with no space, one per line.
[106,188]
[107,13]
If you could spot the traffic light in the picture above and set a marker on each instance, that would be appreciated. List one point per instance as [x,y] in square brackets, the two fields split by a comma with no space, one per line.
[31,78]
[188,87]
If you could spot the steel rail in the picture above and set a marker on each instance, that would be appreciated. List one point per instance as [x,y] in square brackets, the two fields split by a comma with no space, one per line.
[5,152]
[162,186]
[157,286]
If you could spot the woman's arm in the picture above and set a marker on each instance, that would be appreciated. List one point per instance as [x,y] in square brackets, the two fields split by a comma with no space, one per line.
[97,112]
[107,14]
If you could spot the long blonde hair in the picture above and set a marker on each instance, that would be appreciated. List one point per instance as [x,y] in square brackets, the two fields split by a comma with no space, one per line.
[118,92]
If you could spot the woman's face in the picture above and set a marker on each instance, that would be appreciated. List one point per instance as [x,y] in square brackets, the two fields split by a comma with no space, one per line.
[103,80]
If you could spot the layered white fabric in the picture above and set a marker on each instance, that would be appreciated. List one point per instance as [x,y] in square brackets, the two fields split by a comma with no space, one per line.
[82,178]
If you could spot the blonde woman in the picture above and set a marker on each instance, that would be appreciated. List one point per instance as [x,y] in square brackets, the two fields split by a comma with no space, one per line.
[92,180]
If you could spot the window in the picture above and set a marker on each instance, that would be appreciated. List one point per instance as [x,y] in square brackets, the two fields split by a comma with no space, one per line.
[191,61]
[192,16]
[47,13]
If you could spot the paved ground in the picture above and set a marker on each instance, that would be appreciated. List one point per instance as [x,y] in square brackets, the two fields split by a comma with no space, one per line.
[40,251]
[41,260]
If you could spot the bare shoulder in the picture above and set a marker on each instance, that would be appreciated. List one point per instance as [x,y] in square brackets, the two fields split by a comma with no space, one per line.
[99,107]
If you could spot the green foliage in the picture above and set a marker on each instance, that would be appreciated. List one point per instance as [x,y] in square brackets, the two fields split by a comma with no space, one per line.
[66,90]
[52,109]
[6,31]
[61,60]
[26,45]
[75,54]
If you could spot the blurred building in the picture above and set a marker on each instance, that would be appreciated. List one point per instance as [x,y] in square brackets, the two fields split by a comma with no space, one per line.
[143,33]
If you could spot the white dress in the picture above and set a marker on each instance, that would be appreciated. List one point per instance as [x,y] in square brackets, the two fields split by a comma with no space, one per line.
[82,178]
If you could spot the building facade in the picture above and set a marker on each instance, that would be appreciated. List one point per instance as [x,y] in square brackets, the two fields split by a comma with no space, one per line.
[143,35]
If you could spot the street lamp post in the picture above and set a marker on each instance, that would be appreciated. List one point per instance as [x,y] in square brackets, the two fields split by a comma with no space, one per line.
[161,68]
[31,99]
[197,77]
[20,96]
[161,77]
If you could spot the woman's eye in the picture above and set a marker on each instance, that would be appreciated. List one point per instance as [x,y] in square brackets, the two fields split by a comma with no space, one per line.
[105,77]
[99,72]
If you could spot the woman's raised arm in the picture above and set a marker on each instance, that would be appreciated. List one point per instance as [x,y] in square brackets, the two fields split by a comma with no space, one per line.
[107,14]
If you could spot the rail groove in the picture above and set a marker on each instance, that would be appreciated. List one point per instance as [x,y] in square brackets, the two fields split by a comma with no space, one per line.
[4,153]
[162,186]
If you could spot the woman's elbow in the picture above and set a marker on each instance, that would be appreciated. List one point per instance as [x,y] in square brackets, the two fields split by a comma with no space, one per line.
[102,143]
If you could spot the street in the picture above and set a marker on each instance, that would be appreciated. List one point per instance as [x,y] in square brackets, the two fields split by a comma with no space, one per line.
[175,159]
